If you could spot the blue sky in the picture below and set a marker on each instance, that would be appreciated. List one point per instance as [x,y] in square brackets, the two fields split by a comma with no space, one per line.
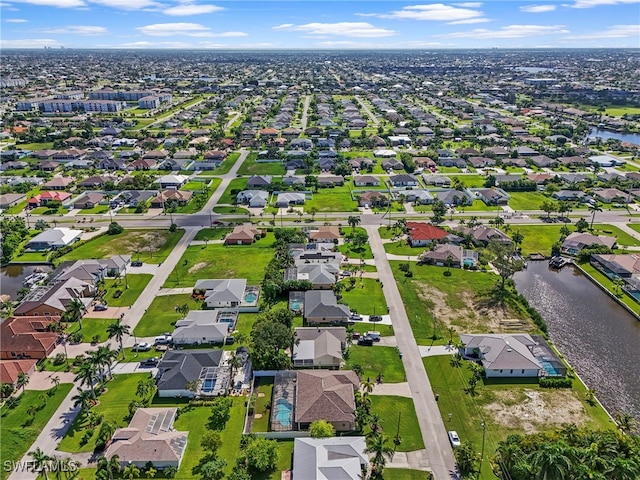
[329,24]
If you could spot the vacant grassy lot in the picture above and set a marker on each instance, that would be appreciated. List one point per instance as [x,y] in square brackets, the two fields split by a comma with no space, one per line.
[538,238]
[147,245]
[222,261]
[346,248]
[526,200]
[113,404]
[336,199]
[404,474]
[17,432]
[161,315]
[401,247]
[91,327]
[251,167]
[388,406]
[377,360]
[434,301]
[212,233]
[230,210]
[480,206]
[136,282]
[473,181]
[494,403]
[365,297]
[237,184]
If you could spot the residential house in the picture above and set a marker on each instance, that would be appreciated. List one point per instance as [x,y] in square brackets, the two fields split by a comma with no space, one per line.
[200,326]
[254,198]
[322,276]
[542,161]
[133,198]
[392,164]
[319,347]
[329,458]
[321,307]
[27,337]
[577,241]
[315,253]
[90,200]
[524,151]
[8,200]
[285,199]
[420,234]
[91,270]
[483,235]
[178,369]
[54,300]
[451,197]
[330,180]
[404,180]
[437,180]
[224,293]
[372,199]
[452,162]
[149,439]
[612,195]
[512,355]
[173,182]
[143,164]
[242,235]
[326,395]
[58,183]
[325,234]
[259,181]
[626,266]
[570,195]
[366,181]
[481,162]
[491,196]
[53,239]
[96,181]
[445,255]
[43,198]
[175,197]
[10,370]
[110,164]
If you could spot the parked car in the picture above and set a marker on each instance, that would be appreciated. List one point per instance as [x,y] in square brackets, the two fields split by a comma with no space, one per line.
[229,341]
[375,318]
[136,263]
[365,342]
[373,335]
[454,438]
[345,273]
[355,336]
[149,362]
[164,339]
[356,317]
[100,307]
[141,347]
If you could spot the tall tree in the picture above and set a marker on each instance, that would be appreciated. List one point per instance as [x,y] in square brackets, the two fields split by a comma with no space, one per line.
[593,209]
[22,381]
[353,221]
[381,449]
[118,330]
[504,261]
[40,462]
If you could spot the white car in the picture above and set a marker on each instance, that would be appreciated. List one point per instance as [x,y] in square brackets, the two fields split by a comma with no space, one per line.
[454,438]
[141,347]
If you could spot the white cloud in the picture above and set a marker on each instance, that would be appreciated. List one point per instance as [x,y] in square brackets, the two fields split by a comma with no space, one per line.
[186,29]
[469,21]
[30,43]
[510,31]
[188,8]
[614,31]
[144,44]
[55,3]
[128,4]
[597,3]
[469,4]
[343,29]
[537,8]
[433,12]
[78,30]
[16,20]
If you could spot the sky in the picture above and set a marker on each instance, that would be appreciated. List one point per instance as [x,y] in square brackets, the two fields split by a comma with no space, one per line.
[309,24]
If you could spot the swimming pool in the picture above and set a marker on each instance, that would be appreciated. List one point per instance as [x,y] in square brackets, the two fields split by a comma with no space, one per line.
[208,385]
[550,369]
[283,412]
[296,305]
[250,297]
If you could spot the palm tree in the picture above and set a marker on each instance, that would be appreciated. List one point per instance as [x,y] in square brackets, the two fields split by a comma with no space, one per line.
[103,357]
[145,387]
[625,422]
[381,450]
[517,238]
[86,375]
[354,221]
[235,362]
[75,311]
[593,209]
[118,330]
[131,472]
[22,380]
[551,462]
[451,331]
[367,385]
[56,381]
[40,461]
[84,400]
[312,212]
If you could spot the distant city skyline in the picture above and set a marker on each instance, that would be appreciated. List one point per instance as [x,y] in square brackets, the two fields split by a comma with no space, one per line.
[300,24]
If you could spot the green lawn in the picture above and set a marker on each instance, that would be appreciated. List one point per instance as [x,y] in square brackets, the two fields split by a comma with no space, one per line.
[609,285]
[222,261]
[161,315]
[113,404]
[147,245]
[251,167]
[136,282]
[527,200]
[538,238]
[366,297]
[230,210]
[264,389]
[451,290]
[480,206]
[388,407]
[473,181]
[401,247]
[468,412]
[623,237]
[237,184]
[336,199]
[17,433]
[98,209]
[375,360]
[131,356]
[226,165]
[404,474]
[347,250]
[91,327]
[212,233]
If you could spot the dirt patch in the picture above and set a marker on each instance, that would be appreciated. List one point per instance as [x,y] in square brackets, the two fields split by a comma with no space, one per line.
[475,315]
[197,266]
[144,241]
[538,410]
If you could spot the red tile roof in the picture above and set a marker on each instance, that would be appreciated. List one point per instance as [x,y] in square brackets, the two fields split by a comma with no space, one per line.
[425,231]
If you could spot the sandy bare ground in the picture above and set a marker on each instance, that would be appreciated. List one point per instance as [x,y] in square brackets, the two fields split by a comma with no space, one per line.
[476,315]
[532,410]
[197,266]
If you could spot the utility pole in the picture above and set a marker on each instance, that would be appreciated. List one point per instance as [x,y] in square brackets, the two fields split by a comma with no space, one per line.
[482,449]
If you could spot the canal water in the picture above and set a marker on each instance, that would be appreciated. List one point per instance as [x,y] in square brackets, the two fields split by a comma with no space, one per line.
[598,337]
[12,276]
[623,137]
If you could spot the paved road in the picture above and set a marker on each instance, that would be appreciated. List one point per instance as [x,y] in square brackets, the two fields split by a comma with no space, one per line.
[226,179]
[434,435]
[305,112]
[366,108]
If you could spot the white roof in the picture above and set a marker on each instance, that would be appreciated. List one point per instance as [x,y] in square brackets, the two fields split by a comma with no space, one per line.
[335,458]
[57,236]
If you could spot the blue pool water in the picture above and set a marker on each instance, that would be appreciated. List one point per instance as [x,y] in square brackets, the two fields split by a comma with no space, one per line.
[296,305]
[548,366]
[250,297]
[283,412]
[208,385]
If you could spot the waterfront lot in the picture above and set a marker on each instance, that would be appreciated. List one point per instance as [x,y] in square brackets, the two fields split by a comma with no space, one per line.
[434,302]
[17,432]
[505,407]
[222,261]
